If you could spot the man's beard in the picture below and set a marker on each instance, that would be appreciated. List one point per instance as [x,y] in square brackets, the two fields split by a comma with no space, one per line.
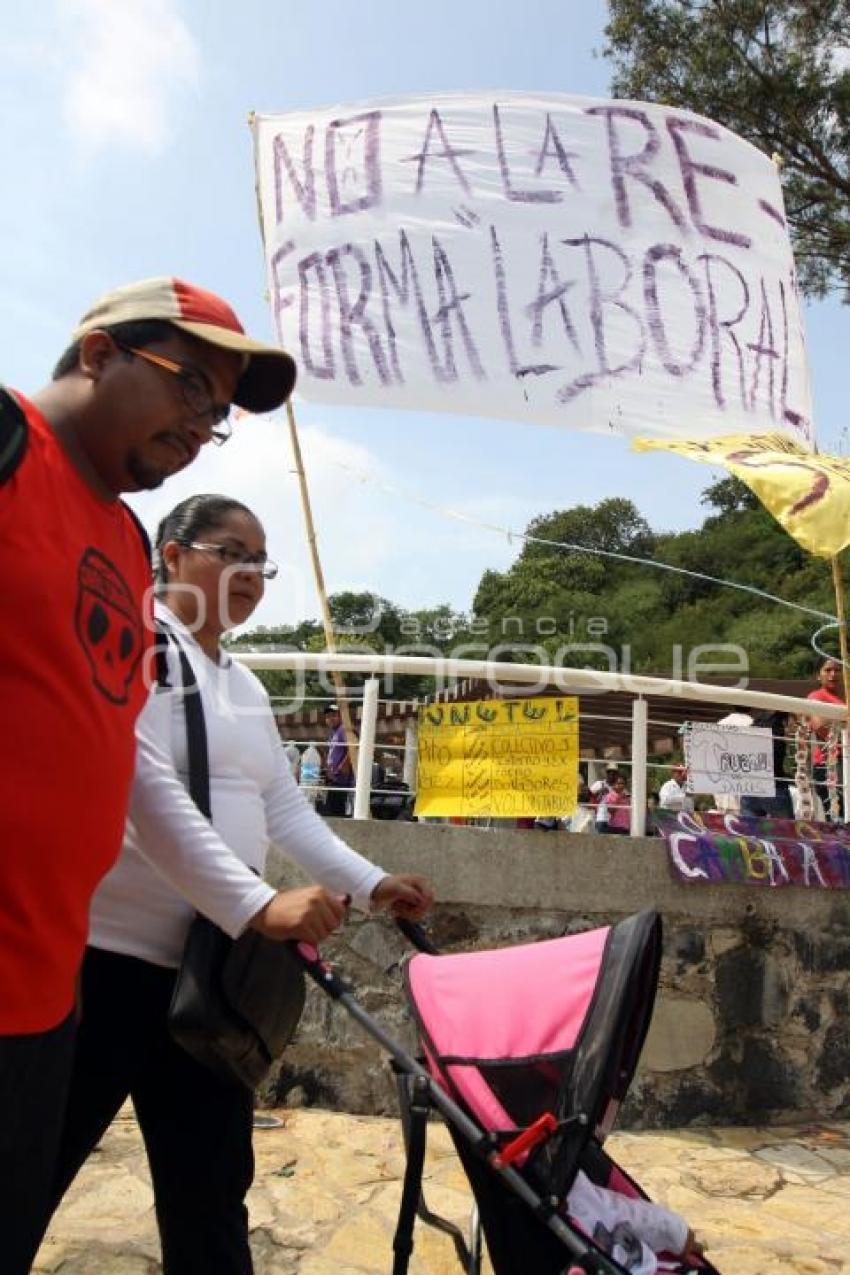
[147,477]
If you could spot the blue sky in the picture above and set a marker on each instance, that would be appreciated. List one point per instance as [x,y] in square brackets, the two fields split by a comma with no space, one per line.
[127,153]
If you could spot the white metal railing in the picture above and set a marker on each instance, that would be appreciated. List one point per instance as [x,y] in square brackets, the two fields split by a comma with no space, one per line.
[539,677]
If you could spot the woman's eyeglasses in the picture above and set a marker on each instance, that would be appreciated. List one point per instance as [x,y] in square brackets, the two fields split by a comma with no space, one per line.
[232,557]
[195,392]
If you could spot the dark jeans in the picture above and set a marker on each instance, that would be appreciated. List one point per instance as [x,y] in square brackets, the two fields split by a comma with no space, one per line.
[778,807]
[34,1074]
[336,797]
[197,1128]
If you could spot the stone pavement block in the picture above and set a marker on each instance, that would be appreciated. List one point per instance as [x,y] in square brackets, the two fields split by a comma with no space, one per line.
[797,1163]
[751,1261]
[736,1177]
[765,1201]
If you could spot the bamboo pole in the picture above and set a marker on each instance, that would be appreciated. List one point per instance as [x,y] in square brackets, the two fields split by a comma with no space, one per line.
[327,622]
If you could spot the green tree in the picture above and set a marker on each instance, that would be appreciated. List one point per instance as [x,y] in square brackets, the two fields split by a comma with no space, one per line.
[729,496]
[776,72]
[364,615]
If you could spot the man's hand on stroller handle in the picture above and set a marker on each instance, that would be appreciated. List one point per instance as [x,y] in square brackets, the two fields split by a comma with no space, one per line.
[308,915]
[406,896]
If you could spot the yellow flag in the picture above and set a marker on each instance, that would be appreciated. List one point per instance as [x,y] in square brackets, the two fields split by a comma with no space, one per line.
[807,493]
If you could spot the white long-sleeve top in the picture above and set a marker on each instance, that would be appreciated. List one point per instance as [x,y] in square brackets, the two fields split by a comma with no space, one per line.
[638,1229]
[173,861]
[673,796]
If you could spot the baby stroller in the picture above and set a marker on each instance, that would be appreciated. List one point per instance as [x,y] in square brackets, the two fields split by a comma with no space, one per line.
[527,1053]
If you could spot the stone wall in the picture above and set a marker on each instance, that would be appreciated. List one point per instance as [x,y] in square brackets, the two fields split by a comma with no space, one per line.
[751,1021]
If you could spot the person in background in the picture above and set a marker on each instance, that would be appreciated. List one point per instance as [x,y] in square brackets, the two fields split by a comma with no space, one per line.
[613,814]
[582,818]
[147,381]
[780,806]
[212,568]
[830,679]
[293,756]
[728,803]
[339,775]
[673,794]
[310,773]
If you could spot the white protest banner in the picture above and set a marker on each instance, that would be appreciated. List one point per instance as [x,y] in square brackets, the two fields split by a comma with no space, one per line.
[729,759]
[599,265]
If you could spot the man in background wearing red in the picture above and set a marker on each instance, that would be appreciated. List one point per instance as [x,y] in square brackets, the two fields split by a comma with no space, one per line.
[829,676]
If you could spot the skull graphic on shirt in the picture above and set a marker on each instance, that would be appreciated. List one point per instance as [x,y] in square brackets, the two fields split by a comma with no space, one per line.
[108,624]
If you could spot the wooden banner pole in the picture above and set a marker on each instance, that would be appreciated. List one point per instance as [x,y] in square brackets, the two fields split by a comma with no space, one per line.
[327,622]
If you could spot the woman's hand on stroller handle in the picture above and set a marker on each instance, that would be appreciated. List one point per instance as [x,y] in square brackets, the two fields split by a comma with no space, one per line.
[407,895]
[693,1248]
[308,915]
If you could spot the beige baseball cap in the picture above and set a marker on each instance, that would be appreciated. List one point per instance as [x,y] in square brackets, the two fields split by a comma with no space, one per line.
[269,374]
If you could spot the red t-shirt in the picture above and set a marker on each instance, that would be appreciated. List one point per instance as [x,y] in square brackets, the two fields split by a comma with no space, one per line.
[72,639]
[823,697]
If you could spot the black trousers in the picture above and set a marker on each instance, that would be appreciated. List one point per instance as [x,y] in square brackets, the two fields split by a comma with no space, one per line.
[34,1074]
[336,797]
[197,1129]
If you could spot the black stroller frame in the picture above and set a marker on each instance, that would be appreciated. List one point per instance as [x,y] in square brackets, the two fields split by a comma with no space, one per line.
[488,1157]
[587,1259]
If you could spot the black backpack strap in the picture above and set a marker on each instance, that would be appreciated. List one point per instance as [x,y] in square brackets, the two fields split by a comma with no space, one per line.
[196,729]
[14,435]
[143,535]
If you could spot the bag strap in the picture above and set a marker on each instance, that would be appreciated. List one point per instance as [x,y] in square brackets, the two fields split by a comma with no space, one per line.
[143,535]
[14,435]
[196,729]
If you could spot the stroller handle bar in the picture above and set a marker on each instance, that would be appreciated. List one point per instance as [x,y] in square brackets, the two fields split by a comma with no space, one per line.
[416,936]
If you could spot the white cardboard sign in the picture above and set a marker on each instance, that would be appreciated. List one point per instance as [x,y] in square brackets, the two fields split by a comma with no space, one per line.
[602,265]
[726,760]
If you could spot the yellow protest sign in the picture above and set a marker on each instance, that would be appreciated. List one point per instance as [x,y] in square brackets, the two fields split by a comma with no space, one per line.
[808,494]
[504,758]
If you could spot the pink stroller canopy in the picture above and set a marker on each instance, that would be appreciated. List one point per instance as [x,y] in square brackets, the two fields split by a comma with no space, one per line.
[555,1026]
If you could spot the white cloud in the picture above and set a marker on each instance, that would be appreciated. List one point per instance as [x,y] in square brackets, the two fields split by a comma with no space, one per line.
[840,59]
[129,60]
[355,535]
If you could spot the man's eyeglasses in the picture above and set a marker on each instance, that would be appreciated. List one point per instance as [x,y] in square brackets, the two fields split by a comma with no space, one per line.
[196,393]
[237,558]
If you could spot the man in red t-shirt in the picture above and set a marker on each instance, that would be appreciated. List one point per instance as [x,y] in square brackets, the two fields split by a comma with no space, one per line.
[148,379]
[829,676]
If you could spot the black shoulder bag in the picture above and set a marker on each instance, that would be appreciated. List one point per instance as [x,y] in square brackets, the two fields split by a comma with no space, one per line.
[236,1003]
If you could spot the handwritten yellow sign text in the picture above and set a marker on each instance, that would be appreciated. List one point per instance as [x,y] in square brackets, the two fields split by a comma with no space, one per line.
[501,758]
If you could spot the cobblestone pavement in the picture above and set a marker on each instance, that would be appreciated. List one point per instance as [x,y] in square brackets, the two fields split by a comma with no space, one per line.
[765,1201]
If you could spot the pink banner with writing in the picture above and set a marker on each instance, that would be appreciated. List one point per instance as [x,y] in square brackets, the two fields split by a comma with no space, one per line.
[717,849]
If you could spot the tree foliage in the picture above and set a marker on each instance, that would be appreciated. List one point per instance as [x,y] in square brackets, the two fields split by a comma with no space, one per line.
[776,72]
[363,622]
[557,603]
[644,614]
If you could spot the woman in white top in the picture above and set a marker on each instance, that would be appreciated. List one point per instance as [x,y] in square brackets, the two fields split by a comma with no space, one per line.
[212,566]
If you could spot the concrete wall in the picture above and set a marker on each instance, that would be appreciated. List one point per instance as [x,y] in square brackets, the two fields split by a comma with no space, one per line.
[751,1022]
